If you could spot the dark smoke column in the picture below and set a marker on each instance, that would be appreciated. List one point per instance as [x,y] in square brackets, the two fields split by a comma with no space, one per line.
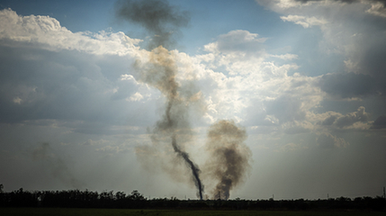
[161,20]
[158,17]
[230,157]
[192,166]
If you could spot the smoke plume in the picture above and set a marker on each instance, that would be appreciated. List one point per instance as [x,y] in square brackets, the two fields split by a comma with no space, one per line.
[162,20]
[230,157]
[156,16]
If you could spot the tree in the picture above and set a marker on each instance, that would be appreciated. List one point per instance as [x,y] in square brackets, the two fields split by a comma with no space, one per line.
[120,195]
[135,195]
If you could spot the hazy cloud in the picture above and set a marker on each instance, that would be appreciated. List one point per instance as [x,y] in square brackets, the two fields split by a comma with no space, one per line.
[328,141]
[360,42]
[349,85]
[286,108]
[237,41]
[55,165]
[296,127]
[379,123]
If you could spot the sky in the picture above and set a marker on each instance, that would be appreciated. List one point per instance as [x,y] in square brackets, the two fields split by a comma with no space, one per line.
[302,82]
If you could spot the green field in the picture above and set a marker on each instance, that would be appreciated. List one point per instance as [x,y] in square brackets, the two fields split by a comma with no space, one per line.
[129,212]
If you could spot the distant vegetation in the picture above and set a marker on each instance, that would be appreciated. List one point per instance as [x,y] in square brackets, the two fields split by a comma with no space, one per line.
[135,200]
[174,212]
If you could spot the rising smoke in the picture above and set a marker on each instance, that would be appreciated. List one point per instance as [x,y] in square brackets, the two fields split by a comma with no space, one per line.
[162,20]
[230,157]
[156,16]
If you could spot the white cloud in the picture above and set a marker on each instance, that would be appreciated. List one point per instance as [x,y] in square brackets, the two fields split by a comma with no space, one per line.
[258,92]
[306,22]
[235,78]
[49,72]
[352,30]
[235,50]
[127,77]
[47,33]
[287,56]
[136,97]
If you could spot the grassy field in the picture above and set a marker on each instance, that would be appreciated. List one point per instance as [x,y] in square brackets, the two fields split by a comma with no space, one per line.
[130,212]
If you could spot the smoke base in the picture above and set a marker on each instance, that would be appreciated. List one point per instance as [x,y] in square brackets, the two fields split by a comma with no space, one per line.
[230,157]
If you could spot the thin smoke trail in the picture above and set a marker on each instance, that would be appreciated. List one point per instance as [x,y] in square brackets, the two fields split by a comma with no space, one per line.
[193,167]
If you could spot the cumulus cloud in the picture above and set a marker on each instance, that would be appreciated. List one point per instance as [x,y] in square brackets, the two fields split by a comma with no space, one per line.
[254,84]
[353,29]
[351,118]
[238,78]
[293,100]
[351,121]
[47,33]
[272,99]
[236,50]
[49,72]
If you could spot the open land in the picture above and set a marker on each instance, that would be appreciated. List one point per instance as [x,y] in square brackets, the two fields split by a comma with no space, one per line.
[133,212]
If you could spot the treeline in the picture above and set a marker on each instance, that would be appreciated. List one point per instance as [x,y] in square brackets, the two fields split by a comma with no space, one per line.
[135,200]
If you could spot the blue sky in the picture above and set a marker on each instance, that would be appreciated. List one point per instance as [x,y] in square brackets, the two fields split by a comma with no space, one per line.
[83,99]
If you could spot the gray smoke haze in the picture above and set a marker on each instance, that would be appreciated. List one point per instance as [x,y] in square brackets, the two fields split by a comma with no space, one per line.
[162,20]
[229,161]
[156,16]
[55,165]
